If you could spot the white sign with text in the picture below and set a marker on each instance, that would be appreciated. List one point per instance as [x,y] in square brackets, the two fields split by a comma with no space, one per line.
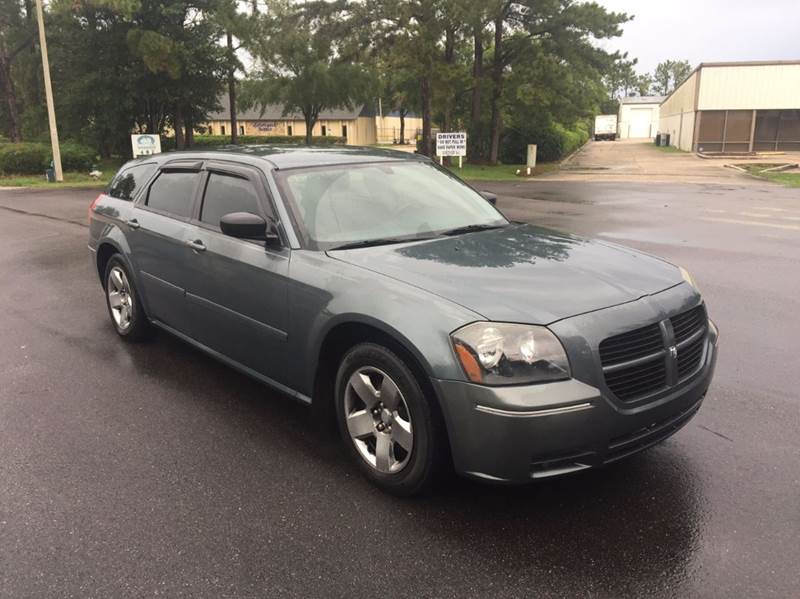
[451,144]
[145,144]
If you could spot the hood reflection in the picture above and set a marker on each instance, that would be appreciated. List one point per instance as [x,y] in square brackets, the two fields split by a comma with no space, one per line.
[500,248]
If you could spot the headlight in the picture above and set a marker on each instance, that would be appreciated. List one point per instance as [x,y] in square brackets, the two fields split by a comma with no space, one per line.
[688,278]
[494,353]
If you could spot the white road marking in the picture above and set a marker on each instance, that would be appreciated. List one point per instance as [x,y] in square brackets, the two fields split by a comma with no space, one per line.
[735,221]
[778,216]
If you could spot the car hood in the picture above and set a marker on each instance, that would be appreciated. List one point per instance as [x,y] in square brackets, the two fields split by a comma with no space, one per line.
[520,273]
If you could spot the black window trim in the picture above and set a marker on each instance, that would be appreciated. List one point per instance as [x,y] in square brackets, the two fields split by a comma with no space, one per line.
[174,167]
[266,203]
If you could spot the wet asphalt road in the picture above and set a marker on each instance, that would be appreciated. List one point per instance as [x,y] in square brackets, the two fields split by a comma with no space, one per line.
[153,470]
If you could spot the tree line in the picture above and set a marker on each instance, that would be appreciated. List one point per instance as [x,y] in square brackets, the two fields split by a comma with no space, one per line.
[507,72]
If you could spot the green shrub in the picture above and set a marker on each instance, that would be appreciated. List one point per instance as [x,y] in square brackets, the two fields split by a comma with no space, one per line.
[75,157]
[210,141]
[24,159]
[553,141]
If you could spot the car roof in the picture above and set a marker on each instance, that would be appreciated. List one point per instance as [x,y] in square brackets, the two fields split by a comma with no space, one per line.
[286,156]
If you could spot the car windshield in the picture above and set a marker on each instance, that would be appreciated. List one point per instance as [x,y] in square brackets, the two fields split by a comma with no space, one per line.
[377,203]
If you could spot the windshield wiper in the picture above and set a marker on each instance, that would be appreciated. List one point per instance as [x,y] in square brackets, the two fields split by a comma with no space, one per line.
[365,243]
[471,229]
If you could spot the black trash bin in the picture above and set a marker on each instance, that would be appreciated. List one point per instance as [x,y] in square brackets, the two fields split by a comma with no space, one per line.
[658,139]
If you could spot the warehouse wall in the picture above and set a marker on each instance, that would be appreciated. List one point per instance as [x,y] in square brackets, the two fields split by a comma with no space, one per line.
[766,87]
[680,128]
[677,116]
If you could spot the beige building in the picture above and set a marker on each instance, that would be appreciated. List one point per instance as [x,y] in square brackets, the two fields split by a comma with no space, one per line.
[638,117]
[362,126]
[735,107]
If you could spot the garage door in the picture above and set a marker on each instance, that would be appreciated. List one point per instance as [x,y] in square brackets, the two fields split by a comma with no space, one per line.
[641,122]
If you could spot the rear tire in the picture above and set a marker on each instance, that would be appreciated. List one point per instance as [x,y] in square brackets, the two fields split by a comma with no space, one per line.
[391,429]
[124,306]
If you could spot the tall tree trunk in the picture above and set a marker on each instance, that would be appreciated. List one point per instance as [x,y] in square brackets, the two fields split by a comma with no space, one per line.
[476,141]
[232,92]
[425,101]
[177,124]
[497,89]
[310,117]
[10,95]
[402,125]
[189,131]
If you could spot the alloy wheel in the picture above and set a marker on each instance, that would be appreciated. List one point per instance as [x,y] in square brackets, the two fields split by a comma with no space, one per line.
[120,299]
[378,420]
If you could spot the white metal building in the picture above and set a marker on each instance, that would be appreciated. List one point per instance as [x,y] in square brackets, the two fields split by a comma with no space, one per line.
[735,107]
[638,116]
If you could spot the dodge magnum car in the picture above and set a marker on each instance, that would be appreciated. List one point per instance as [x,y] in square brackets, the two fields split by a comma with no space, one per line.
[438,332]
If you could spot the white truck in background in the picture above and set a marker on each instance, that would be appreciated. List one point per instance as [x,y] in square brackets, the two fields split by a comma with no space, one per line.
[605,127]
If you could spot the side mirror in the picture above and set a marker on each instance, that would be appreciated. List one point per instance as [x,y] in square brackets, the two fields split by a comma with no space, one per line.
[243,225]
[489,197]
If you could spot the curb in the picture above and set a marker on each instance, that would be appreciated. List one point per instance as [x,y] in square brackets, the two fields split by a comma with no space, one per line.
[569,158]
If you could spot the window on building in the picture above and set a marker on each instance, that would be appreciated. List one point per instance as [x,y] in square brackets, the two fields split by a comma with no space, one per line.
[241,129]
[172,192]
[324,130]
[125,185]
[777,130]
[226,194]
[344,131]
[289,130]
[222,129]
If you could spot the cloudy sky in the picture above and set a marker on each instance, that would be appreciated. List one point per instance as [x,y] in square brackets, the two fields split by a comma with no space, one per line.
[708,30]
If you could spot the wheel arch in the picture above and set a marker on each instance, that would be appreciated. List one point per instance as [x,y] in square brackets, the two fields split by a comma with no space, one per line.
[109,247]
[348,332]
[105,251]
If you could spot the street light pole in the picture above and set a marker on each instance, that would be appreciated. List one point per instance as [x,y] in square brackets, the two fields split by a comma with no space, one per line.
[48,90]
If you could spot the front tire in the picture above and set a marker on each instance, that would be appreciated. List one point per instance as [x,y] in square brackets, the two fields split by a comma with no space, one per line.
[124,305]
[389,426]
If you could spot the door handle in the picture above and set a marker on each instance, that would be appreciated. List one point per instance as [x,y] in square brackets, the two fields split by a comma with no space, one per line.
[197,245]
[133,223]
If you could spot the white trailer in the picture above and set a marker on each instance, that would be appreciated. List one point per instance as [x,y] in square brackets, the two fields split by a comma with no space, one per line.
[605,127]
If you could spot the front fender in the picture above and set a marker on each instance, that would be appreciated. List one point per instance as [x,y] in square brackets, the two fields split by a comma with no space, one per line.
[327,293]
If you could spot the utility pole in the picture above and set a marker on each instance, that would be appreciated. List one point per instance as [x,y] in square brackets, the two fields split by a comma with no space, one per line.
[48,90]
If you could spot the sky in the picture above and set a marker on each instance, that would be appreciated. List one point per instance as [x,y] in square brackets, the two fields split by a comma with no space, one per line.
[707,30]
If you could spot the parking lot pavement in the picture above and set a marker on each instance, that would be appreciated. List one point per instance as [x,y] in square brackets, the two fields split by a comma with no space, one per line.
[133,470]
[637,160]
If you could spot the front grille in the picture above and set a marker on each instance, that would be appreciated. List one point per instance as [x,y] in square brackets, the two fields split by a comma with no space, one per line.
[690,338]
[640,378]
[688,323]
[631,345]
[639,363]
[635,381]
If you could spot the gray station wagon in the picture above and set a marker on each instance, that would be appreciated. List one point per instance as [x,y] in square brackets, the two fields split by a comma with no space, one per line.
[376,283]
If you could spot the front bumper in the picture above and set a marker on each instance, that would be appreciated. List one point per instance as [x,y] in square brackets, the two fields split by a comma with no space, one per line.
[515,434]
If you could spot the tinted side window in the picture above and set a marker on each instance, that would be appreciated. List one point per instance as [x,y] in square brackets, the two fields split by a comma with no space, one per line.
[225,194]
[127,182]
[173,192]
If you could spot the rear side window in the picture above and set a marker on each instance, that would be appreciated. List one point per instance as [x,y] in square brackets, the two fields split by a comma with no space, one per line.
[172,192]
[226,194]
[128,181]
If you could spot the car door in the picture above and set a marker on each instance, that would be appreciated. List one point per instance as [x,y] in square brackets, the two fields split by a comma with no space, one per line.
[158,229]
[237,288]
